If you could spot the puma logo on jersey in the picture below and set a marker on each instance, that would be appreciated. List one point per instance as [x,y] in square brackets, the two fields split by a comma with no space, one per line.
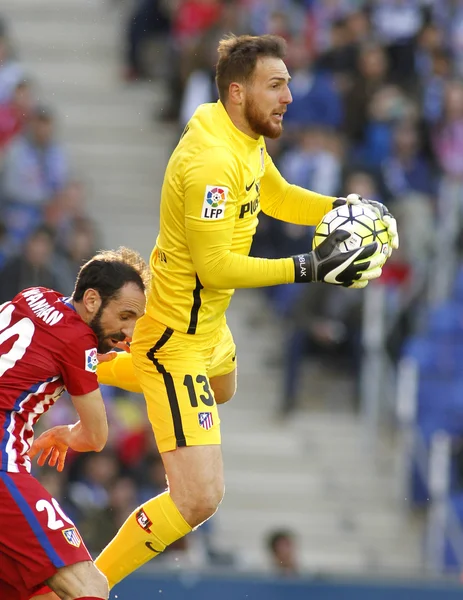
[250,207]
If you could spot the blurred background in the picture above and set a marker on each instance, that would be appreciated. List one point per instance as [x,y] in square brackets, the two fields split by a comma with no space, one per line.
[343,447]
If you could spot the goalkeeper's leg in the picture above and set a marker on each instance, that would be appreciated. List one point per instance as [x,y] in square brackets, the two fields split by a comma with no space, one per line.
[195,476]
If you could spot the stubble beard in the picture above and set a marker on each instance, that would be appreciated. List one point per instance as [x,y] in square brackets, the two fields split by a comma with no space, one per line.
[259,123]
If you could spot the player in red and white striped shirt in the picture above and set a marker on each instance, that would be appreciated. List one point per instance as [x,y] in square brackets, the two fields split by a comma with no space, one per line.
[48,344]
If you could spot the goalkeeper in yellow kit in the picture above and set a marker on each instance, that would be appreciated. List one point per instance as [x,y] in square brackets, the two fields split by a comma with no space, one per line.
[218,179]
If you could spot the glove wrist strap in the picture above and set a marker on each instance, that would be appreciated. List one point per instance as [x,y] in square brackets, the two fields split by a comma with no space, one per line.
[303,268]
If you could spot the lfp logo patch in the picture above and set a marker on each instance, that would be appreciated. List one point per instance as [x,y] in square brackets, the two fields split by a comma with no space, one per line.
[215,198]
[91,360]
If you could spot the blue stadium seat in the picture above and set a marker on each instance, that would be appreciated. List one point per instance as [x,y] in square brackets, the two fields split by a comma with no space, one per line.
[440,355]
[440,404]
[440,407]
[446,319]
[458,286]
[451,560]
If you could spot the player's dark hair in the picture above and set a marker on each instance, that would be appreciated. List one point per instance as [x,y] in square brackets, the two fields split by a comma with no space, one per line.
[238,56]
[108,271]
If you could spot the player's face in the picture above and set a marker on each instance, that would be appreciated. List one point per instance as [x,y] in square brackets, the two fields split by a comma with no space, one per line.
[115,321]
[267,97]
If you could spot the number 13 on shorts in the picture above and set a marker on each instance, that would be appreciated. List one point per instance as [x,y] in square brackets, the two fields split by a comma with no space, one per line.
[182,410]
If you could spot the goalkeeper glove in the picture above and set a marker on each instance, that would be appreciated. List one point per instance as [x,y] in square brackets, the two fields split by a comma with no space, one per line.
[381,210]
[328,264]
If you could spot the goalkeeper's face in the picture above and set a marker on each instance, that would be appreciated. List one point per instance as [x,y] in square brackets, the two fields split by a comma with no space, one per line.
[267,97]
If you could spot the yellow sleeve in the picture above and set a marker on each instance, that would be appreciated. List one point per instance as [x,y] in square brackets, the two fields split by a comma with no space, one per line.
[290,203]
[119,373]
[209,234]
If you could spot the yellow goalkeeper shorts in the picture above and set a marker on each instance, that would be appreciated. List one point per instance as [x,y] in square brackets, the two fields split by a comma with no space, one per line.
[173,370]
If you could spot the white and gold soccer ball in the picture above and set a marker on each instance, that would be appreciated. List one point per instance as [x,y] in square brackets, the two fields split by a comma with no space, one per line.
[360,221]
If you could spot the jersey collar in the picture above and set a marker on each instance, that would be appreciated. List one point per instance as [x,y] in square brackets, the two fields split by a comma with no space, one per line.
[233,130]
[67,301]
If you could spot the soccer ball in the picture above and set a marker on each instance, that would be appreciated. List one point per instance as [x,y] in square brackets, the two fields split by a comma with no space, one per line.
[360,220]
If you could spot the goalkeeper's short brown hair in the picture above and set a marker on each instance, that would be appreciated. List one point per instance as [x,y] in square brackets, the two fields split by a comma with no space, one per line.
[109,270]
[238,56]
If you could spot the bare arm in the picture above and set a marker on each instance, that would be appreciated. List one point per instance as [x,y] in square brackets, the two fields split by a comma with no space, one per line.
[90,433]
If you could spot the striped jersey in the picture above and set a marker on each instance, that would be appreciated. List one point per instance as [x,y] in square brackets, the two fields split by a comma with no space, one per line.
[45,348]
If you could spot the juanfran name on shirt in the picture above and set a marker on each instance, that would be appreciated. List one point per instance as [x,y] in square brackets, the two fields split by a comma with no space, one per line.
[41,308]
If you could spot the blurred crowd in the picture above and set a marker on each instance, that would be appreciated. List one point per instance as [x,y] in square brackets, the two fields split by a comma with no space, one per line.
[45,231]
[377,110]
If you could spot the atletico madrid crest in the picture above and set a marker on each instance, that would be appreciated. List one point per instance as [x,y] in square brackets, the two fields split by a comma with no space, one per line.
[72,537]
[205,420]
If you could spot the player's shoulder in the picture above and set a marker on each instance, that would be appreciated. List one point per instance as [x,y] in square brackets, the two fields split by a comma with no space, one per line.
[206,133]
[51,311]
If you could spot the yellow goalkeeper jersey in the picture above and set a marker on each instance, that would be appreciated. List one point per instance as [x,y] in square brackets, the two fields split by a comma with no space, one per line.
[217,181]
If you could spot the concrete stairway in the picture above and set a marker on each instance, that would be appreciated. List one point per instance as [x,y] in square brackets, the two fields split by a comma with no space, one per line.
[311,474]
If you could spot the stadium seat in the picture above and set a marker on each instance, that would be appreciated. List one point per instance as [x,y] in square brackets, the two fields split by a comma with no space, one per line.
[457,292]
[440,408]
[453,559]
[440,355]
[446,319]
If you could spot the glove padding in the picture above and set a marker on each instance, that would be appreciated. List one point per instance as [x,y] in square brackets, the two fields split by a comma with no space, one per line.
[381,210]
[327,263]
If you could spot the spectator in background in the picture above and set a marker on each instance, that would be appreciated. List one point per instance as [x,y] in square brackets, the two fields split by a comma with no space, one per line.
[279,17]
[316,100]
[448,137]
[314,162]
[101,522]
[396,24]
[406,169]
[11,71]
[364,183]
[191,20]
[66,207]
[282,549]
[89,489]
[448,147]
[389,105]
[199,65]
[15,114]
[433,86]
[429,40]
[322,17]
[449,16]
[322,323]
[31,268]
[147,18]
[372,73]
[340,57]
[78,246]
[35,169]
[3,244]
[151,477]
